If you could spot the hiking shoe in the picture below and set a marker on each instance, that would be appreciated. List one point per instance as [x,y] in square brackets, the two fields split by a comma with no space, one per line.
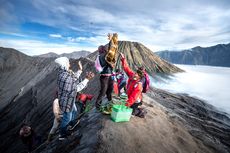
[107,110]
[109,106]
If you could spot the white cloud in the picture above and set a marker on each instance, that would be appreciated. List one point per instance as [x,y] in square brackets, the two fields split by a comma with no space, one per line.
[34,47]
[159,25]
[55,35]
[13,34]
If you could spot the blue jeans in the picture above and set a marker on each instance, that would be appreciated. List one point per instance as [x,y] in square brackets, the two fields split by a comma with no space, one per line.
[66,119]
[122,85]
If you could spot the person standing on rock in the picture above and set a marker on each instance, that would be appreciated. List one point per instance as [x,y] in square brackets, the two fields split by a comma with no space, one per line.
[134,87]
[68,86]
[106,81]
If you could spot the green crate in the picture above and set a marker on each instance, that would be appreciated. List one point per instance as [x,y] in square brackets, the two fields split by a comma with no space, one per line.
[121,113]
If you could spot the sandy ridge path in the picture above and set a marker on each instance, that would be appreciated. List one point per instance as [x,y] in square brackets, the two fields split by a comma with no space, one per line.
[159,132]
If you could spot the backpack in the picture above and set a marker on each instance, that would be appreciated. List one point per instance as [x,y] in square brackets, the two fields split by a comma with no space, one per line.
[145,82]
[97,64]
[100,63]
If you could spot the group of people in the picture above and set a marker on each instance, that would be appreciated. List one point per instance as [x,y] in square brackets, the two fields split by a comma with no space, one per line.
[133,87]
[68,84]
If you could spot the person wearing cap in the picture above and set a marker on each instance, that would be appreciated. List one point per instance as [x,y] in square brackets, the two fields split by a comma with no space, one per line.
[68,86]
[134,85]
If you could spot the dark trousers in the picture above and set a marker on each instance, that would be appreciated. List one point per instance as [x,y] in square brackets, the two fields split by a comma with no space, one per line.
[135,106]
[140,112]
[106,88]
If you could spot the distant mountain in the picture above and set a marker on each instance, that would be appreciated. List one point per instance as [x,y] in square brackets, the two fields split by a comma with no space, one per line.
[218,55]
[74,55]
[49,55]
[139,55]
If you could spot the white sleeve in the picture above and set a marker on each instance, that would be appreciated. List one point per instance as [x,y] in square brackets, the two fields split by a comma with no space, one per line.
[81,85]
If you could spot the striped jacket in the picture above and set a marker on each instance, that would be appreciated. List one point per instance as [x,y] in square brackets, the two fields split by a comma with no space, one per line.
[68,86]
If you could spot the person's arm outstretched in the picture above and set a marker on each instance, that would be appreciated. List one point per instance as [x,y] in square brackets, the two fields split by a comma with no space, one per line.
[125,66]
[80,86]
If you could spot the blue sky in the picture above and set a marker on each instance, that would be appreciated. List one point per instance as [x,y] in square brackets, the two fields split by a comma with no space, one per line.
[40,26]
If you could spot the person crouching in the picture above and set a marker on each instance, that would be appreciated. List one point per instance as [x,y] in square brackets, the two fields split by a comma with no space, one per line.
[134,87]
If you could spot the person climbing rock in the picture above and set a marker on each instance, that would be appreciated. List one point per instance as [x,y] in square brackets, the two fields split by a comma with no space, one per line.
[134,88]
[68,86]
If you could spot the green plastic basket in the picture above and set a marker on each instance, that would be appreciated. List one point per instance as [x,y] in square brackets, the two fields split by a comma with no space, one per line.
[121,113]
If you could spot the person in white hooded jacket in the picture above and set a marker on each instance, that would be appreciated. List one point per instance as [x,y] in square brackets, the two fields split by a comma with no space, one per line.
[68,86]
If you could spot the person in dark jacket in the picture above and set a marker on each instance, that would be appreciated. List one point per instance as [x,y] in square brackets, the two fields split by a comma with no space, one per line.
[29,137]
[106,81]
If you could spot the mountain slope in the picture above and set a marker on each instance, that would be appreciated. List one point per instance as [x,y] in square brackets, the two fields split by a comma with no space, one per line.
[27,92]
[218,55]
[175,123]
[139,55]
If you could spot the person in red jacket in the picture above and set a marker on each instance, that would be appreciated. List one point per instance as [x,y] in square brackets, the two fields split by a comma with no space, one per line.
[134,85]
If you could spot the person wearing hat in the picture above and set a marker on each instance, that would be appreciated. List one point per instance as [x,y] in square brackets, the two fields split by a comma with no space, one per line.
[134,85]
[68,86]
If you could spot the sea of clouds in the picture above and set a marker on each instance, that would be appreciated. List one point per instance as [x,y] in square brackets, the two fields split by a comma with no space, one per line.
[208,83]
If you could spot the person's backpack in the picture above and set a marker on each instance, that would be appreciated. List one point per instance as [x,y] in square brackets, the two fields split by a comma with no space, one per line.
[145,82]
[97,64]
[100,62]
